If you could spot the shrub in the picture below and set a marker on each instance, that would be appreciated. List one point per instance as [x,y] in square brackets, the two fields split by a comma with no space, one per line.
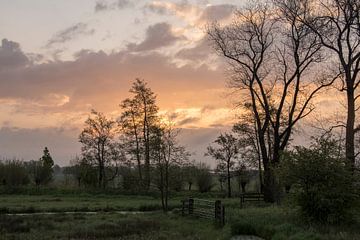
[13,173]
[321,181]
[204,178]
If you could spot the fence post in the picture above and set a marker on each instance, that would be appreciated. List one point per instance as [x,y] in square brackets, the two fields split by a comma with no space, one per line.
[183,208]
[218,210]
[191,206]
[241,200]
[223,216]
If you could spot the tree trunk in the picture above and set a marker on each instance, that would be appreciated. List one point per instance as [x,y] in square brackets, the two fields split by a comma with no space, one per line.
[243,187]
[228,179]
[101,176]
[349,142]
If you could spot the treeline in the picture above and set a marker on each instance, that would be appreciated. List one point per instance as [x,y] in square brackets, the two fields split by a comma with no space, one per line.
[16,172]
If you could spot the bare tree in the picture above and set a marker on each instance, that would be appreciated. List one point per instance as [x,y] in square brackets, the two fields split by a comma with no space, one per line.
[250,151]
[98,143]
[131,124]
[336,24]
[225,153]
[272,58]
[166,153]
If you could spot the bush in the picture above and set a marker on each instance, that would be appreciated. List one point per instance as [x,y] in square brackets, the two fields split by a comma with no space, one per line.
[271,231]
[321,181]
[204,178]
[13,173]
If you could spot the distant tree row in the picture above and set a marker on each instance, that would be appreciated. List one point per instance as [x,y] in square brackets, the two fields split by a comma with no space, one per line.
[16,172]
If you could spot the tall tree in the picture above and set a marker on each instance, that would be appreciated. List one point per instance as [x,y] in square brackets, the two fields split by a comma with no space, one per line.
[47,164]
[272,58]
[98,139]
[130,122]
[336,24]
[140,118]
[226,152]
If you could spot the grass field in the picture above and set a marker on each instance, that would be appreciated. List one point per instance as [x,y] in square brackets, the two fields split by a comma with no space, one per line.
[109,226]
[267,221]
[82,203]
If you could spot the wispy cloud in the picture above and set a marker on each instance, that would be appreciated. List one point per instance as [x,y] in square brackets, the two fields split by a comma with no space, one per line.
[157,36]
[103,5]
[70,33]
[193,14]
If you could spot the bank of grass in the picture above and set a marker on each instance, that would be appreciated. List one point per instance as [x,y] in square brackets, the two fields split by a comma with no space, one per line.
[81,203]
[276,223]
[267,221]
[109,226]
[87,202]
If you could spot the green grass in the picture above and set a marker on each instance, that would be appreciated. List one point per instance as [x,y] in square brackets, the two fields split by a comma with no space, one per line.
[276,223]
[108,226]
[70,203]
[267,221]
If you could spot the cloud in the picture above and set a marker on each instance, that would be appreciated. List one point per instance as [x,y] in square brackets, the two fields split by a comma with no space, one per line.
[101,6]
[157,36]
[201,51]
[193,14]
[183,10]
[100,80]
[119,4]
[217,12]
[11,55]
[70,33]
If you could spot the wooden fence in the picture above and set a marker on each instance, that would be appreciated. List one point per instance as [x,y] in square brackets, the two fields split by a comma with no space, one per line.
[250,197]
[212,210]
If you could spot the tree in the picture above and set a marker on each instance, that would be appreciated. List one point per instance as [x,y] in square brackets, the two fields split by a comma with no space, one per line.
[98,148]
[336,25]
[272,60]
[203,178]
[320,179]
[167,155]
[47,164]
[225,153]
[138,120]
[246,133]
[41,171]
[242,177]
[13,173]
[189,172]
[130,122]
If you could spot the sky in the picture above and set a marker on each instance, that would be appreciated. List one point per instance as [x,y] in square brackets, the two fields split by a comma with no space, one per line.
[60,59]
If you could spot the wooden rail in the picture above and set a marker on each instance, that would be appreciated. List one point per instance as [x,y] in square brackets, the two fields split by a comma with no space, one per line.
[201,208]
[246,197]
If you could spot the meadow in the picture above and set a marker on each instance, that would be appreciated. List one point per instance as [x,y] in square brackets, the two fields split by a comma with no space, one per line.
[123,216]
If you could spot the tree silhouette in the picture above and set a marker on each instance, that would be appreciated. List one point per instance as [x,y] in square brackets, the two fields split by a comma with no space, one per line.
[226,153]
[273,58]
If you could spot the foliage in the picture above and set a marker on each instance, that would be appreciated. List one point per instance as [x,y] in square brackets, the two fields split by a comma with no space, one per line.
[225,152]
[41,171]
[203,178]
[323,184]
[13,173]
[138,121]
[98,146]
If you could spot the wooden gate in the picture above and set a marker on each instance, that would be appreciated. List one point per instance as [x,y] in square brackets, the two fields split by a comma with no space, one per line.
[201,208]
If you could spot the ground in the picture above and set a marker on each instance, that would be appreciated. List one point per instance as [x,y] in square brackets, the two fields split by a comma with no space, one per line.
[114,216]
